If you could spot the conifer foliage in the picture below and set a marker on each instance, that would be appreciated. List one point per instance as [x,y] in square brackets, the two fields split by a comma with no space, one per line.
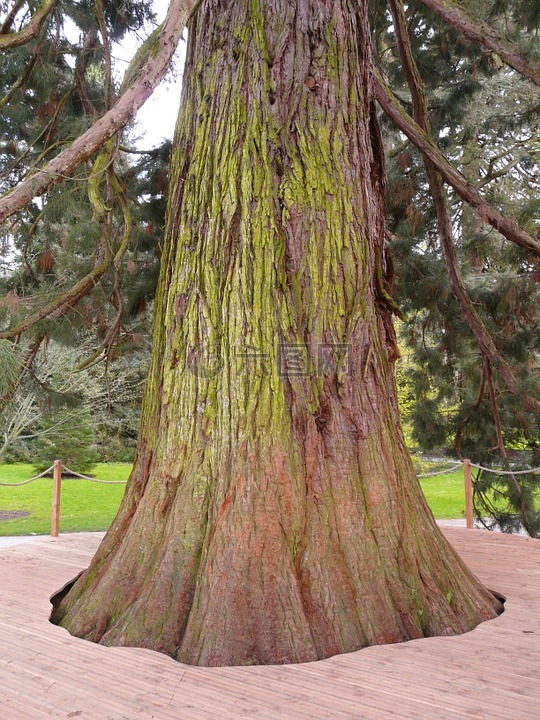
[485,118]
[79,264]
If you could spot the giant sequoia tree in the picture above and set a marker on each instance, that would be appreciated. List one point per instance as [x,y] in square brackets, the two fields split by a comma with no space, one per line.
[273,514]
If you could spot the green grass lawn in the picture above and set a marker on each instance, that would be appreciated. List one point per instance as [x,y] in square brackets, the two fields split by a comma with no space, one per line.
[90,506]
[84,505]
[445,495]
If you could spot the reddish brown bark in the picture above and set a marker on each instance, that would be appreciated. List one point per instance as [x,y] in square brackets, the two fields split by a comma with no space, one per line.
[273,517]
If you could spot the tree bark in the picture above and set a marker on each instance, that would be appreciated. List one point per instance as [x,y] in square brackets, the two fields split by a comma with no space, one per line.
[30,30]
[273,514]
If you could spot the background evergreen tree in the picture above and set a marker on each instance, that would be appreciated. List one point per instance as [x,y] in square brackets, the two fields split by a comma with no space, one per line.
[74,443]
[486,119]
[51,90]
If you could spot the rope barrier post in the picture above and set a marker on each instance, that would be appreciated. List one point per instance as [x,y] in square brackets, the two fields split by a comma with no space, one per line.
[468,494]
[57,485]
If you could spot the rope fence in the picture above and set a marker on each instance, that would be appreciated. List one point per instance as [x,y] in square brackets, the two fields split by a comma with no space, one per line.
[452,469]
[26,482]
[505,472]
[460,463]
[94,480]
[466,464]
[57,468]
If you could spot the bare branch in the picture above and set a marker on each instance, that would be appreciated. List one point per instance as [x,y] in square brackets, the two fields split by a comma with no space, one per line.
[29,31]
[468,192]
[149,70]
[483,34]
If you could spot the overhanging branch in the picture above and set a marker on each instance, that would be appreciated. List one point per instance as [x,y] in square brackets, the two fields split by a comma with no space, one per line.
[29,31]
[486,343]
[60,305]
[467,192]
[148,70]
[481,33]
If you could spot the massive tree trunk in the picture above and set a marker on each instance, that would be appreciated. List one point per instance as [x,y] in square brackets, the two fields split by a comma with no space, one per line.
[273,514]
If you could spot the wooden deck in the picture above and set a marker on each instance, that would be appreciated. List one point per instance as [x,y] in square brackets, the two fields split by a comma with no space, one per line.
[492,672]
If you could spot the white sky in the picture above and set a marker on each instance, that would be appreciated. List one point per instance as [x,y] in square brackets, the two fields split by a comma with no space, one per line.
[157,117]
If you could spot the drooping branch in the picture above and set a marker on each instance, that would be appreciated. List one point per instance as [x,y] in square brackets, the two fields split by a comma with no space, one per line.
[481,33]
[100,17]
[507,227]
[30,30]
[24,367]
[114,330]
[105,257]
[444,221]
[524,505]
[89,46]
[147,69]
[60,305]
[486,343]
[471,411]
[410,68]
[112,333]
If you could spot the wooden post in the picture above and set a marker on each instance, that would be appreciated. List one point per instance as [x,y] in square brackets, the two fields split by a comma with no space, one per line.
[468,494]
[57,484]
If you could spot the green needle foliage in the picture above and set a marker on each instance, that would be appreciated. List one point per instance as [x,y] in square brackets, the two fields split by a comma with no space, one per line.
[51,90]
[486,119]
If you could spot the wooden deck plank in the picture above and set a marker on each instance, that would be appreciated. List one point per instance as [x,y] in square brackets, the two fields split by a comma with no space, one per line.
[404,685]
[491,672]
